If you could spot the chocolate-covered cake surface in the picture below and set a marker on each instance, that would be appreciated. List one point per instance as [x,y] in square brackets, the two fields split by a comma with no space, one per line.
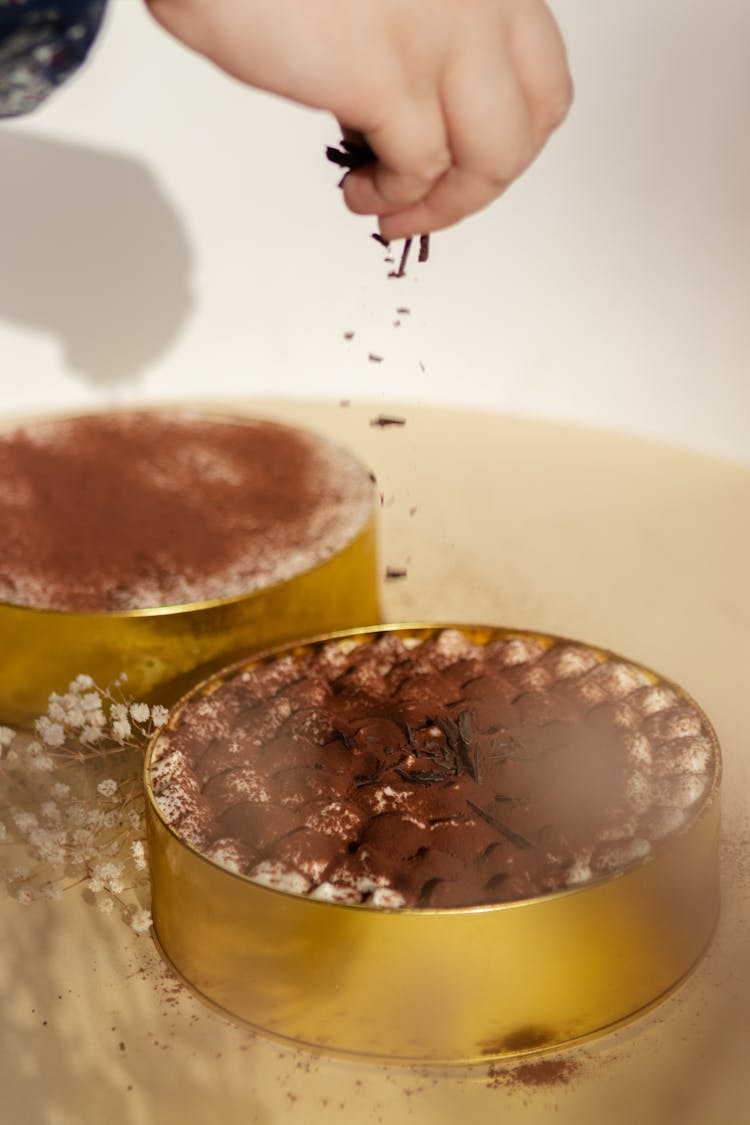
[436,772]
[138,509]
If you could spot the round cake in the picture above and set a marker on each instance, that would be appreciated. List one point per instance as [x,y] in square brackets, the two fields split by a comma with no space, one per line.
[433,769]
[152,544]
[124,511]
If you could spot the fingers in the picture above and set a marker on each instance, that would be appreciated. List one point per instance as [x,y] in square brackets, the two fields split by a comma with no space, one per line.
[412,155]
[500,98]
[538,55]
[491,139]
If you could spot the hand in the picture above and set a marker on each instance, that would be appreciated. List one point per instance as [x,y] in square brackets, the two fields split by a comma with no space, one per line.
[455,97]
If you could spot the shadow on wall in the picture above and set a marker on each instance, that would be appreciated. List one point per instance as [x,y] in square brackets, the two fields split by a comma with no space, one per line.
[91,252]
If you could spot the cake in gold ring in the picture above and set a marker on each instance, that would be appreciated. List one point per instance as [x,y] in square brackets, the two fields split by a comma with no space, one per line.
[481,780]
[146,542]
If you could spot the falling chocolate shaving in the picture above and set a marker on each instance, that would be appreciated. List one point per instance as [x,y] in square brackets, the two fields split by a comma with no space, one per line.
[385,420]
[402,310]
[424,247]
[394,572]
[348,335]
[379,238]
[373,358]
[401,271]
[514,837]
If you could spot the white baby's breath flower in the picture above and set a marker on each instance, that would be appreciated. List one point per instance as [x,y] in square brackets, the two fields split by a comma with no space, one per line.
[19,873]
[90,735]
[3,831]
[24,821]
[107,788]
[25,896]
[121,729]
[53,891]
[140,712]
[110,819]
[76,813]
[51,733]
[6,737]
[159,715]
[118,711]
[42,763]
[50,810]
[138,853]
[109,875]
[49,845]
[91,701]
[60,791]
[135,818]
[105,904]
[96,885]
[74,715]
[82,682]
[140,921]
[56,707]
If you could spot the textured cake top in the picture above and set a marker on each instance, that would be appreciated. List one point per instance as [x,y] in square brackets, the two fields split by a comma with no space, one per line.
[435,772]
[132,510]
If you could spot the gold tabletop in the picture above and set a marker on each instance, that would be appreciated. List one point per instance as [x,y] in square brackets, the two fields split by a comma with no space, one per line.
[629,545]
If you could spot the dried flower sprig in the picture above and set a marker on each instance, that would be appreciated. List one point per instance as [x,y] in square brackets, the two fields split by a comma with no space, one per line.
[72,801]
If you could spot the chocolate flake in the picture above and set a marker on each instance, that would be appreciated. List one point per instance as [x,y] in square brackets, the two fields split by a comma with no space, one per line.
[373,358]
[424,247]
[514,837]
[420,777]
[394,572]
[385,420]
[351,154]
[401,271]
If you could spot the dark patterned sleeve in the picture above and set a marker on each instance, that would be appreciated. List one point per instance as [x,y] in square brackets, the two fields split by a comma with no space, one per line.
[42,42]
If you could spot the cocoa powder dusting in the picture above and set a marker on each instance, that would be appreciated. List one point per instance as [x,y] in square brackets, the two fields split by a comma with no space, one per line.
[540,1073]
[130,510]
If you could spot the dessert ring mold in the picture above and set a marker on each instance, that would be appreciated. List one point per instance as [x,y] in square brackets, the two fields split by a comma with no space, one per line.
[441,986]
[160,645]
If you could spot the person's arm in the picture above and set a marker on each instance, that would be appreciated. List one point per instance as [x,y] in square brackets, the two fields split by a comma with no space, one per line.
[42,42]
[454,97]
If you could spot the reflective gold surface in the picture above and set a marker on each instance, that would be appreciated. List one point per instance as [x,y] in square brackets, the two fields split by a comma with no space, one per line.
[159,649]
[442,986]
